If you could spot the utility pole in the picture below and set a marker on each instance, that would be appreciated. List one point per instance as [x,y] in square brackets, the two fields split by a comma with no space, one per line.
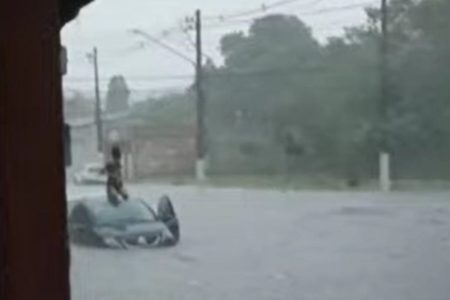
[93,57]
[384,154]
[200,167]
[201,145]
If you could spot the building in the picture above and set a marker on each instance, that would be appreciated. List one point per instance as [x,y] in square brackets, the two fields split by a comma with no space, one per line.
[146,151]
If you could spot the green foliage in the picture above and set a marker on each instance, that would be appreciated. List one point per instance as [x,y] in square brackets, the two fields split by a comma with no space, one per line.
[278,75]
[278,81]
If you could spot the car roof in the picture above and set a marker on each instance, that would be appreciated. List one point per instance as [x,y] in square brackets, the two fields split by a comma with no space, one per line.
[96,201]
[100,205]
[93,202]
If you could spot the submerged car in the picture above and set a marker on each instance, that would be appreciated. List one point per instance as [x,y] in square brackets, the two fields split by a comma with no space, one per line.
[93,173]
[94,221]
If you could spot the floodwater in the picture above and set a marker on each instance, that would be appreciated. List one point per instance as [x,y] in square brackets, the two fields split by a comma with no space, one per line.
[255,244]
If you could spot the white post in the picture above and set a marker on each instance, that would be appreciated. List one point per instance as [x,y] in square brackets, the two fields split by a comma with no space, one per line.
[385,172]
[200,168]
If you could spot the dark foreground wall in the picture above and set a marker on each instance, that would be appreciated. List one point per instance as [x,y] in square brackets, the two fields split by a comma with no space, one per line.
[32,191]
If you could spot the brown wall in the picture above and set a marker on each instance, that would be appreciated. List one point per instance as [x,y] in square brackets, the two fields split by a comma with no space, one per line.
[164,156]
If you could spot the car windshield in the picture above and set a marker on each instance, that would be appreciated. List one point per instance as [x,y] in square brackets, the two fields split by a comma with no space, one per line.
[127,212]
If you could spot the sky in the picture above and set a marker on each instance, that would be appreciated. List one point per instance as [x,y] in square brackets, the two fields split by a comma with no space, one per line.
[151,69]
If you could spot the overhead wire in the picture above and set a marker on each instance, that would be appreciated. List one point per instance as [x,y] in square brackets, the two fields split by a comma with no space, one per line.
[133,90]
[263,8]
[222,73]
[306,13]
[135,78]
[192,43]
[227,20]
[166,33]
[164,45]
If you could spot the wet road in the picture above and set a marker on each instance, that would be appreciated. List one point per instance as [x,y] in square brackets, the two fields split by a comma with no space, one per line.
[262,245]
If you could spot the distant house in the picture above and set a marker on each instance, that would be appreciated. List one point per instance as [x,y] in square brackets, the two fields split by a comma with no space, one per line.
[83,142]
[168,152]
[147,151]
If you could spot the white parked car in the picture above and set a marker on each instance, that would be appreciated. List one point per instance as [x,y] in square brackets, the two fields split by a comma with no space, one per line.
[92,173]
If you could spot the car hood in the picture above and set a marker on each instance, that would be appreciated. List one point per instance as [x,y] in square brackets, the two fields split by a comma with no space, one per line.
[130,230]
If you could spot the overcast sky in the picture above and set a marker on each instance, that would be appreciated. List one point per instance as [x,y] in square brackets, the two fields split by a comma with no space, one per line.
[106,24]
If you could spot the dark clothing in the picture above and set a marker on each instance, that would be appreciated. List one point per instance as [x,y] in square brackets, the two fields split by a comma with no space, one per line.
[114,184]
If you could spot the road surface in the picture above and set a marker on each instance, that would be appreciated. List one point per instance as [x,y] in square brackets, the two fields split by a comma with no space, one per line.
[261,245]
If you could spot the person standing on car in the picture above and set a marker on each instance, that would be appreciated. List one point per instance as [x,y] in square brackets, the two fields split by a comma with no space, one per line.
[114,185]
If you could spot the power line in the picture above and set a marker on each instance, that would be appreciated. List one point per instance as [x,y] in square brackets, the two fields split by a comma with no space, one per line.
[224,23]
[170,48]
[185,32]
[249,12]
[136,78]
[239,73]
[191,42]
[133,90]
[163,45]
[337,8]
[277,71]
[332,26]
[165,33]
[177,29]
[307,13]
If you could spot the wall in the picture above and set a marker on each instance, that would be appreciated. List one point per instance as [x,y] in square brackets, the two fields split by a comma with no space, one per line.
[164,156]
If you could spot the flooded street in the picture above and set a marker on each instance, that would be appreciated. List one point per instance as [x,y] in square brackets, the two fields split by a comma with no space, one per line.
[255,244]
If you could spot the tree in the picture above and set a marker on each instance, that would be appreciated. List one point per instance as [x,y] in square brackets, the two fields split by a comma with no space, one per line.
[262,67]
[117,98]
[277,78]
